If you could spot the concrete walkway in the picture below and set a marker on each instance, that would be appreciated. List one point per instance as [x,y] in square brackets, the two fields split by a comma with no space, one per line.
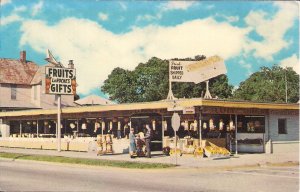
[183,161]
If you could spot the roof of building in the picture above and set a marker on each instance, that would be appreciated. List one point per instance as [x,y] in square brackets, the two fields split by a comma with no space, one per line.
[93,100]
[14,71]
[17,104]
[39,75]
[156,105]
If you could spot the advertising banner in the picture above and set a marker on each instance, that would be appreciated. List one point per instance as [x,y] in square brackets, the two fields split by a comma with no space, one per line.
[60,81]
[196,71]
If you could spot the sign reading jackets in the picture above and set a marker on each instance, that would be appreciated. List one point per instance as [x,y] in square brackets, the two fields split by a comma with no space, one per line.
[196,71]
[60,81]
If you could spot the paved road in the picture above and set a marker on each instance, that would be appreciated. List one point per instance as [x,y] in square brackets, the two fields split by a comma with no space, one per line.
[35,176]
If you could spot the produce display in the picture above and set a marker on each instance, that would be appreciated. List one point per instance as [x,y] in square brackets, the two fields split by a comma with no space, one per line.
[104,144]
[198,152]
[212,150]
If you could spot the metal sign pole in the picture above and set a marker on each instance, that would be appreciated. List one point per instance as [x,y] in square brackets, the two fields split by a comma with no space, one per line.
[200,130]
[175,148]
[58,123]
[236,144]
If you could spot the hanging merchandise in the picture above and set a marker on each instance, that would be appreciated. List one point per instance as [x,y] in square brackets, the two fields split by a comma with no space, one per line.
[72,125]
[34,123]
[221,125]
[186,125]
[83,126]
[250,126]
[46,123]
[257,124]
[231,126]
[211,124]
[125,128]
[153,125]
[97,125]
[165,125]
[204,125]
[195,125]
[192,127]
[119,125]
[103,125]
[126,119]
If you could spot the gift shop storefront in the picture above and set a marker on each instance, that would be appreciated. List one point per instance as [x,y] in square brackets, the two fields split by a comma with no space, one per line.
[239,127]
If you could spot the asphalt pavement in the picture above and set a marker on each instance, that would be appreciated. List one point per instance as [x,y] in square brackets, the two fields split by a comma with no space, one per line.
[187,161]
[21,175]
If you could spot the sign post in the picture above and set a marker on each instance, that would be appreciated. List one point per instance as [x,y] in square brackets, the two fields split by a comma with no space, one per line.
[60,81]
[175,125]
[58,123]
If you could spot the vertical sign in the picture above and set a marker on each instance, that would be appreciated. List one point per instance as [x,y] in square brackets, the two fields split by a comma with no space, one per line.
[60,81]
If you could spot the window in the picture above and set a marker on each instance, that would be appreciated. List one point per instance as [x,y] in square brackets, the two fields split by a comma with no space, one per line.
[282,126]
[13,94]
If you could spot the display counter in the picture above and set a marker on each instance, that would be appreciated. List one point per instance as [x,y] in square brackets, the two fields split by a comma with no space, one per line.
[250,142]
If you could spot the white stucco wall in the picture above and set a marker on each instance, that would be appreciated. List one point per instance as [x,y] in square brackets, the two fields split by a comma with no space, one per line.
[292,128]
[284,143]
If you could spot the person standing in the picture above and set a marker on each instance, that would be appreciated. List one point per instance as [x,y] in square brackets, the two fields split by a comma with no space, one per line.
[132,147]
[147,138]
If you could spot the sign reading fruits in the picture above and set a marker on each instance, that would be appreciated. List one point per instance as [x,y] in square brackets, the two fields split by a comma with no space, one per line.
[60,81]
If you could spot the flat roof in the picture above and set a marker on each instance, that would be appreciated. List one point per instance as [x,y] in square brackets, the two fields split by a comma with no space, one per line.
[155,105]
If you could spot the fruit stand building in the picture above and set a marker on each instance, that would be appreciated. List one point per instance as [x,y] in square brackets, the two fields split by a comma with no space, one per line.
[252,127]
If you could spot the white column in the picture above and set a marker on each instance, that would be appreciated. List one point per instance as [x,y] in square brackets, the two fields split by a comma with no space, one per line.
[20,128]
[37,128]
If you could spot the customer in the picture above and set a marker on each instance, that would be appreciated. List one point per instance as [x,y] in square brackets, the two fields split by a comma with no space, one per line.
[132,147]
[147,138]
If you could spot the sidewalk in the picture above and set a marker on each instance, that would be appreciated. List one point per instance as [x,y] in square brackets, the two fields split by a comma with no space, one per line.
[183,161]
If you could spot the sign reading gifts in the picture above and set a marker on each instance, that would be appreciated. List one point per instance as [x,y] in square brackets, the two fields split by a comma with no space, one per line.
[60,81]
[196,71]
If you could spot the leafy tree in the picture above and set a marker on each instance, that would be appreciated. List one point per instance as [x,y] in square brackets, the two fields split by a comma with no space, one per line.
[76,97]
[268,85]
[150,82]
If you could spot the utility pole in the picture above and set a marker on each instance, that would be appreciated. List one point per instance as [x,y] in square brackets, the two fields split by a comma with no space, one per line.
[285,85]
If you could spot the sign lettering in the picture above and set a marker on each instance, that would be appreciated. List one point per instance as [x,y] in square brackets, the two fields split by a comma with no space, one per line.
[60,81]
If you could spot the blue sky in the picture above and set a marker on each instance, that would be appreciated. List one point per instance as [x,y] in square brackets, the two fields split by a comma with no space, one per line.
[102,35]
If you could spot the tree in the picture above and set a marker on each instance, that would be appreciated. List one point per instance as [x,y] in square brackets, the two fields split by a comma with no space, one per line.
[150,82]
[76,97]
[268,85]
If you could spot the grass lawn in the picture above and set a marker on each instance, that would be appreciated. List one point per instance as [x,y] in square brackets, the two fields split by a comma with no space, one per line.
[82,161]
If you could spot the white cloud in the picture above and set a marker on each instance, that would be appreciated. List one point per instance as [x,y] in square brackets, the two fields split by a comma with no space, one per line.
[10,19]
[247,66]
[292,61]
[148,17]
[209,7]
[37,8]
[272,30]
[96,51]
[230,19]
[20,9]
[123,6]
[3,2]
[173,5]
[103,16]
